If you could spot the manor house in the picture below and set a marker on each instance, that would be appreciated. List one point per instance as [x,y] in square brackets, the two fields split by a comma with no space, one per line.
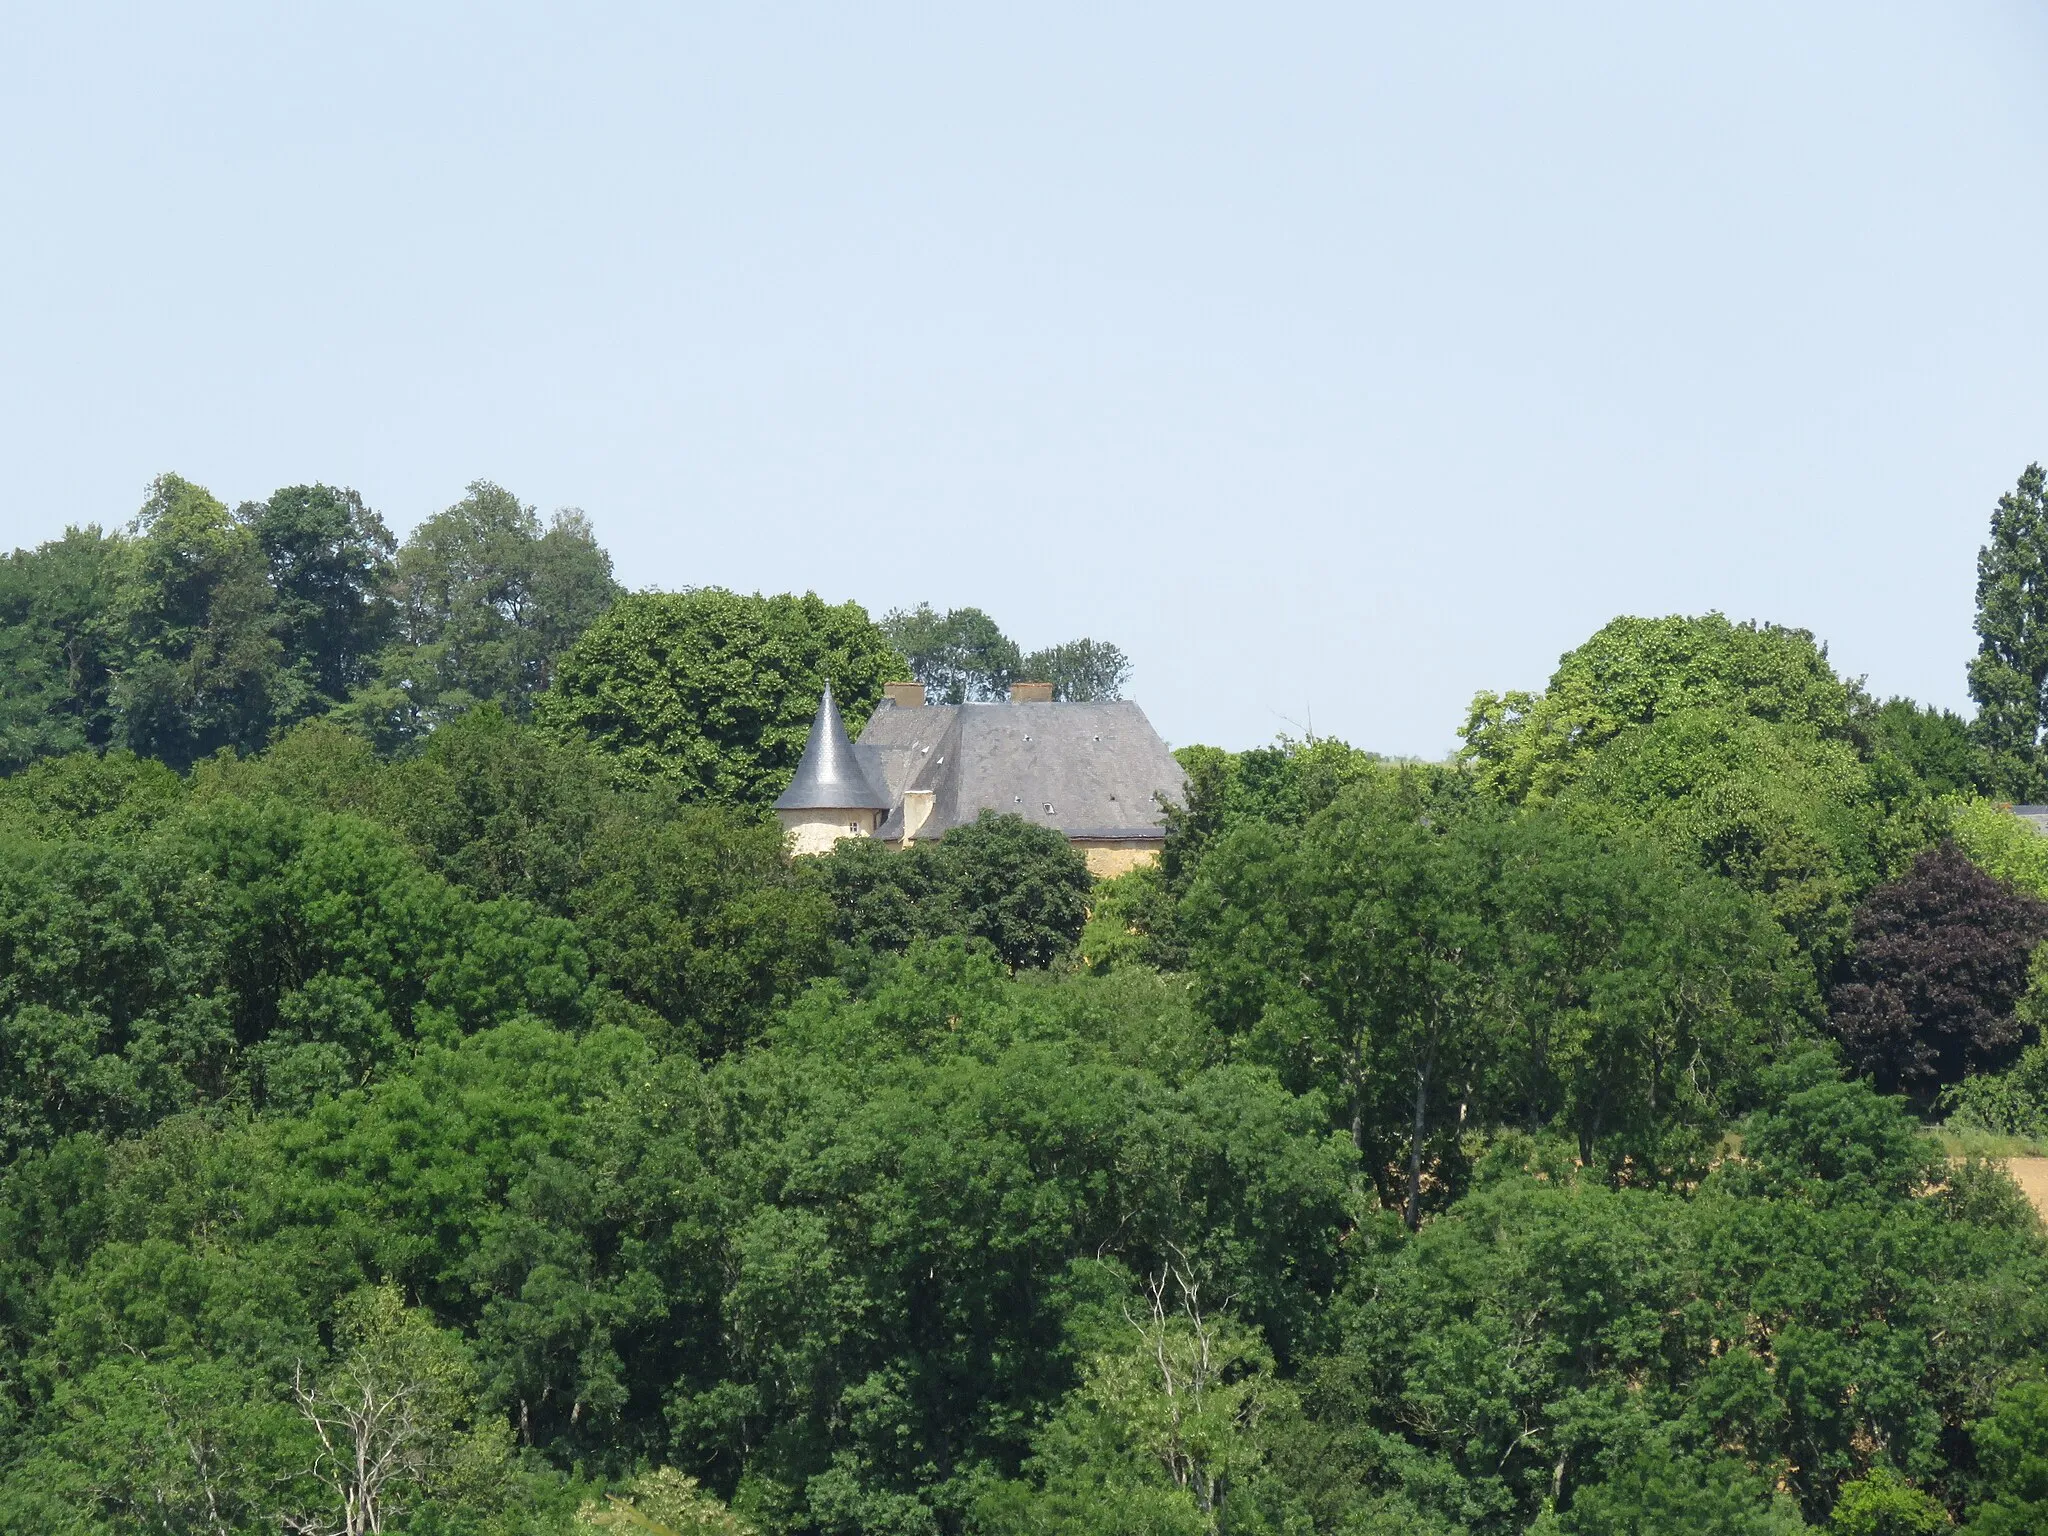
[1092,772]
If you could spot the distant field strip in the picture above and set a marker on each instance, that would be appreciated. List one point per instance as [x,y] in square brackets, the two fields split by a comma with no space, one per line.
[2031,1174]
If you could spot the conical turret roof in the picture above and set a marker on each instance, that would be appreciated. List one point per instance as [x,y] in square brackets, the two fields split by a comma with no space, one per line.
[830,777]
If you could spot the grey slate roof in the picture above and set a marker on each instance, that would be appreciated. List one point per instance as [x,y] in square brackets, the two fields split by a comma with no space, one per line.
[1086,770]
[899,744]
[830,776]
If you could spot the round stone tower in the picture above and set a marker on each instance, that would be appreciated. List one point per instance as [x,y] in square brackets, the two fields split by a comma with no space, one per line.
[830,797]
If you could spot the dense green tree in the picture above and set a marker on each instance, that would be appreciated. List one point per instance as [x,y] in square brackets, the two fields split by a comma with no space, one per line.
[1357,955]
[960,656]
[1884,1504]
[395,1419]
[1554,1341]
[203,666]
[62,639]
[339,945]
[488,599]
[1132,921]
[714,691]
[1636,672]
[944,1164]
[500,809]
[117,797]
[1020,887]
[693,917]
[2012,1442]
[691,912]
[1661,1494]
[1782,810]
[963,656]
[1421,969]
[2009,673]
[1284,784]
[832,1275]
[2001,844]
[113,995]
[664,1502]
[1934,745]
[330,563]
[156,954]
[885,899]
[1166,1432]
[1079,670]
[1634,999]
[699,918]
[158,1445]
[443,1138]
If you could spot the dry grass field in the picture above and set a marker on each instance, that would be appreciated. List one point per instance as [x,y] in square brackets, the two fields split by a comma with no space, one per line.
[2031,1174]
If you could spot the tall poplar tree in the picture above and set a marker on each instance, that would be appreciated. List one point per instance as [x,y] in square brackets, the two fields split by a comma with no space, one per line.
[2009,675]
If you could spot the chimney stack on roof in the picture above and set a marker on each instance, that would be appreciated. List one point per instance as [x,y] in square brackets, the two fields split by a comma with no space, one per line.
[1031,693]
[904,695]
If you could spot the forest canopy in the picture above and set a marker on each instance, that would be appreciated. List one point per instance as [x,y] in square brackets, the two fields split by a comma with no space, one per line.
[434,1100]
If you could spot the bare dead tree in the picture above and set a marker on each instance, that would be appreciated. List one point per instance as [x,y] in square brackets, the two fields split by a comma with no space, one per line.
[372,1436]
[389,1418]
[1206,1389]
[201,1452]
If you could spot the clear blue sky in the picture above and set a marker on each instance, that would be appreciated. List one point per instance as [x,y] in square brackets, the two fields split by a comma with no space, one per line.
[1330,359]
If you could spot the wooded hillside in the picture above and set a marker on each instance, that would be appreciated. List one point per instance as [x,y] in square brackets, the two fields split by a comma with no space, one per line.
[432,1100]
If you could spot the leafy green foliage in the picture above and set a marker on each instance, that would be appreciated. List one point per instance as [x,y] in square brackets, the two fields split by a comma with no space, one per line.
[1132,921]
[330,564]
[157,1445]
[487,600]
[199,629]
[1551,1339]
[1885,1504]
[691,912]
[2009,1103]
[395,1418]
[2012,1442]
[1783,812]
[1167,1430]
[1661,1494]
[1283,785]
[61,640]
[714,691]
[419,1117]
[1418,968]
[1013,1134]
[2000,844]
[962,656]
[157,953]
[1934,745]
[1079,670]
[203,666]
[1019,887]
[1637,672]
[665,1503]
[959,656]
[2009,673]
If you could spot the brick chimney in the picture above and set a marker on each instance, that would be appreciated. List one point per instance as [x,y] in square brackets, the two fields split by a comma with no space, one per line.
[1031,693]
[904,695]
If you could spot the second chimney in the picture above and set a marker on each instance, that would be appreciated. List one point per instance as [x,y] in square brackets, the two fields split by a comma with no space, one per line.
[1031,693]
[904,695]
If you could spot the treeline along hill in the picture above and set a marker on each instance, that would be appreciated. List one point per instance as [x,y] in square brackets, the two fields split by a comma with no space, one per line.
[433,1099]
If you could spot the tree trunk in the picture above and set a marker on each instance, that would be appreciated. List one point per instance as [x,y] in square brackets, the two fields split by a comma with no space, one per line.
[1413,1215]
